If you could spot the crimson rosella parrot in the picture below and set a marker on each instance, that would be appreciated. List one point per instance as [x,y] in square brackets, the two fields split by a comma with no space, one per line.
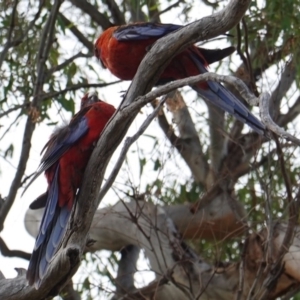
[122,48]
[64,162]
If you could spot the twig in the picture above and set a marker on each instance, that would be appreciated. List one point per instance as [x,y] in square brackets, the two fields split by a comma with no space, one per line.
[9,43]
[284,172]
[242,268]
[128,142]
[79,35]
[249,64]
[66,63]
[234,81]
[5,251]
[278,267]
[116,14]
[158,14]
[291,114]
[266,118]
[89,9]
[76,87]
[16,107]
[10,126]
[239,44]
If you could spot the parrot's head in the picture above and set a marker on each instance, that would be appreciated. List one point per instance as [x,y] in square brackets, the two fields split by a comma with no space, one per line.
[88,99]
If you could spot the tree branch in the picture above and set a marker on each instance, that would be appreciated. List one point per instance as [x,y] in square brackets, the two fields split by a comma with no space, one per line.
[151,227]
[217,147]
[266,118]
[12,253]
[66,63]
[16,107]
[286,80]
[77,33]
[116,14]
[293,113]
[126,270]
[96,16]
[76,87]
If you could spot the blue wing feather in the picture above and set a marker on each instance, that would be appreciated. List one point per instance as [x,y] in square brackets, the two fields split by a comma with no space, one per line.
[144,31]
[60,146]
[60,143]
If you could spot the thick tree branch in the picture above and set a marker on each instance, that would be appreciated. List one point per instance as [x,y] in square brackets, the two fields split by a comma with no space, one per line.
[151,228]
[213,220]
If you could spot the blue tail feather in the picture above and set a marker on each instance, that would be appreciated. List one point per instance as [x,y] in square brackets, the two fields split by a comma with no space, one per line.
[57,232]
[49,212]
[52,230]
[217,94]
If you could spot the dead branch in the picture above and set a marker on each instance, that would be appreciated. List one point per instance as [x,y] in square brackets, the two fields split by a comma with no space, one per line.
[150,228]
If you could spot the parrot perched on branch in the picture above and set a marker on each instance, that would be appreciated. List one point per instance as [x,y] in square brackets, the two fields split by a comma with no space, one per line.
[122,48]
[66,156]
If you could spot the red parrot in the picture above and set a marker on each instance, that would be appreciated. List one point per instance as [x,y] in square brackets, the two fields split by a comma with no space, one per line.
[66,156]
[122,48]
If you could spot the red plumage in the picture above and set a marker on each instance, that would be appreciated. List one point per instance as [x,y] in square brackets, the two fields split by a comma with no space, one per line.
[64,162]
[122,48]
[123,58]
